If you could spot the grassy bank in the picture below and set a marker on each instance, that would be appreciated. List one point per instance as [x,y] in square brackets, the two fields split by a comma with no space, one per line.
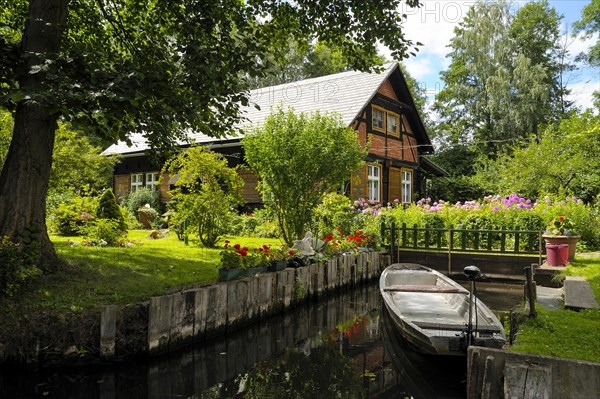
[565,333]
[96,276]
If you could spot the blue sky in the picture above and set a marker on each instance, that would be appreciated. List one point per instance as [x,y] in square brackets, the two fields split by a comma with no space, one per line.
[432,24]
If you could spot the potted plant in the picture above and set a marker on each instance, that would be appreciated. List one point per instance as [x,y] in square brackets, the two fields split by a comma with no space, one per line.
[281,257]
[232,261]
[258,261]
[561,230]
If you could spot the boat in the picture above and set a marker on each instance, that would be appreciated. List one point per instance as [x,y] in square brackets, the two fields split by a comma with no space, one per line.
[433,314]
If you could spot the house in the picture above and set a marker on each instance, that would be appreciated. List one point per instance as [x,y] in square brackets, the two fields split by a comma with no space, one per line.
[378,106]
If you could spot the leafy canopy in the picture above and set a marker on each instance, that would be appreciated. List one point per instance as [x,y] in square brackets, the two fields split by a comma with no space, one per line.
[298,158]
[163,68]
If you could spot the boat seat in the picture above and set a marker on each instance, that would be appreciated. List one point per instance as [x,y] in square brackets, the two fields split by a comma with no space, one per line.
[453,327]
[425,288]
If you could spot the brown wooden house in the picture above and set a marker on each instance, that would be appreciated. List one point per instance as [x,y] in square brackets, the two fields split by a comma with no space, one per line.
[378,106]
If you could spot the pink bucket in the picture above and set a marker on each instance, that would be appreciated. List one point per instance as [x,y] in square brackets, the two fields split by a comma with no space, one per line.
[557,254]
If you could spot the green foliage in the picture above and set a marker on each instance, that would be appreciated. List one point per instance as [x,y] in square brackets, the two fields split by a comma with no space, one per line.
[299,158]
[69,218]
[105,231]
[566,161]
[335,211]
[206,192]
[109,209]
[590,24]
[16,267]
[454,189]
[140,197]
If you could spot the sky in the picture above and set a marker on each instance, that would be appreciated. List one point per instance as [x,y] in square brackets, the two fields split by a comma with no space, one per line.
[432,24]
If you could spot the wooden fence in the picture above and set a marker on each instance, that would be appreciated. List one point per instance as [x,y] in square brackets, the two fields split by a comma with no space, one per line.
[451,240]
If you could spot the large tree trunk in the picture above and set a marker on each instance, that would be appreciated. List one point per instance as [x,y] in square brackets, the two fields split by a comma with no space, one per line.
[26,172]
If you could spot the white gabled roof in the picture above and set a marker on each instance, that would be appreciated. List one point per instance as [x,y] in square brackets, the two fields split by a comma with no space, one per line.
[345,93]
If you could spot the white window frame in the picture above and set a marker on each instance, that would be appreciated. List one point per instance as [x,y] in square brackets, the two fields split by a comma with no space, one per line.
[137,181]
[383,116]
[152,180]
[407,186]
[374,183]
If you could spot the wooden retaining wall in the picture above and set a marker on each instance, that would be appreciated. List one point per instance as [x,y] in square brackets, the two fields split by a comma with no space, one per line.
[493,373]
[197,314]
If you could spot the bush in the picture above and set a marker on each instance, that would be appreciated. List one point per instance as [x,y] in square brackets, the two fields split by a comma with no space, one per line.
[335,211]
[105,232]
[140,198]
[16,268]
[72,217]
[109,209]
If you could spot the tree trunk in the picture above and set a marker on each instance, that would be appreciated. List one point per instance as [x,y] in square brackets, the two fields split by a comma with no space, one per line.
[26,172]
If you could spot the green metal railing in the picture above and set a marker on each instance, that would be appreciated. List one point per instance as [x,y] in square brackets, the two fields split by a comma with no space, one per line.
[432,239]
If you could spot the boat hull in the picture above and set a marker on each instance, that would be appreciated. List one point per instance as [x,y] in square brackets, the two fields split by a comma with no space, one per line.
[430,311]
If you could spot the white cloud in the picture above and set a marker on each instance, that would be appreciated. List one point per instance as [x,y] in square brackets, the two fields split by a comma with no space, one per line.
[418,67]
[581,93]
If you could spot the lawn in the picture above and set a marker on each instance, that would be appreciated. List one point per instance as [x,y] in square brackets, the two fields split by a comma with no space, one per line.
[566,333]
[97,276]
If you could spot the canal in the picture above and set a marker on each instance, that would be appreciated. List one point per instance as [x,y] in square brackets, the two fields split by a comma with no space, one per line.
[337,348]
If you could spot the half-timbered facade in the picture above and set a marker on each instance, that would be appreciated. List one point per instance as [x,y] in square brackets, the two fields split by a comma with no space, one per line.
[378,106]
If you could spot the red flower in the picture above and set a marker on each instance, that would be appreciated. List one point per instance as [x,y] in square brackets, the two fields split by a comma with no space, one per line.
[292,253]
[237,246]
[561,218]
[227,241]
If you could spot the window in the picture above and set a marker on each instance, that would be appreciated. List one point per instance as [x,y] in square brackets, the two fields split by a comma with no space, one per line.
[374,182]
[406,186]
[152,180]
[378,119]
[137,181]
[393,124]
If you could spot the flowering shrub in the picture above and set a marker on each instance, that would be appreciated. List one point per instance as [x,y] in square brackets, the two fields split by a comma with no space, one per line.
[283,253]
[499,213]
[232,256]
[338,242]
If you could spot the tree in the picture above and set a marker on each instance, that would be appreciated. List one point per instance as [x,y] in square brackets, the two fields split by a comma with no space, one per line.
[298,158]
[495,94]
[566,160]
[109,209]
[206,192]
[589,24]
[160,68]
[78,168]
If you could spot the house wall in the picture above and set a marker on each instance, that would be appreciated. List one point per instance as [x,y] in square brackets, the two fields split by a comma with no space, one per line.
[393,152]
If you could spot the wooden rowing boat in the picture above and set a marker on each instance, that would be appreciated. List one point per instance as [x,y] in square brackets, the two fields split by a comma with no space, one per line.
[431,311]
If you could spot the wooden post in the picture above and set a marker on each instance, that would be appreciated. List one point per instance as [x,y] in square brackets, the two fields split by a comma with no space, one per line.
[530,290]
[450,244]
[393,243]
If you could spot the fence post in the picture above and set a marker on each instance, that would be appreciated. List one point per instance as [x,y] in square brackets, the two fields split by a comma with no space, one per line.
[450,245]
[393,243]
[530,290]
[517,239]
[540,234]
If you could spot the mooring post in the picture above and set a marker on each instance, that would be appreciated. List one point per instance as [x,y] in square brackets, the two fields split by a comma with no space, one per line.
[530,290]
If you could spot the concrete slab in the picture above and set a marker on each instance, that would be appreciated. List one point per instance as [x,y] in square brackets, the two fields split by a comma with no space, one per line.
[550,298]
[579,294]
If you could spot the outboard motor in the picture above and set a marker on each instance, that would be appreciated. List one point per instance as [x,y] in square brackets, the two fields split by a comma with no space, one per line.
[473,273]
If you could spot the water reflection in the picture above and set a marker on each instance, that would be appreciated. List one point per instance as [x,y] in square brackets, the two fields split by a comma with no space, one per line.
[333,349]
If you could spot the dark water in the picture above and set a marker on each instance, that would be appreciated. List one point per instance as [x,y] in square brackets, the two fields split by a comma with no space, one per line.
[338,348]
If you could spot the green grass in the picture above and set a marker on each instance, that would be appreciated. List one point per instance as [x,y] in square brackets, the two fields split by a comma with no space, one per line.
[566,333]
[97,276]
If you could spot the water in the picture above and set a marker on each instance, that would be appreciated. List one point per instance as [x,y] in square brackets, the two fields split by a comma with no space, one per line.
[338,348]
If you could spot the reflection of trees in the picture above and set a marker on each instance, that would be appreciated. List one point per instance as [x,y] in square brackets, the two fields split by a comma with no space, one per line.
[323,373]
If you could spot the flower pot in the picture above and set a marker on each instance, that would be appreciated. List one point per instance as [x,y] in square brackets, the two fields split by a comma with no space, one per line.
[253,271]
[571,241]
[277,266]
[229,274]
